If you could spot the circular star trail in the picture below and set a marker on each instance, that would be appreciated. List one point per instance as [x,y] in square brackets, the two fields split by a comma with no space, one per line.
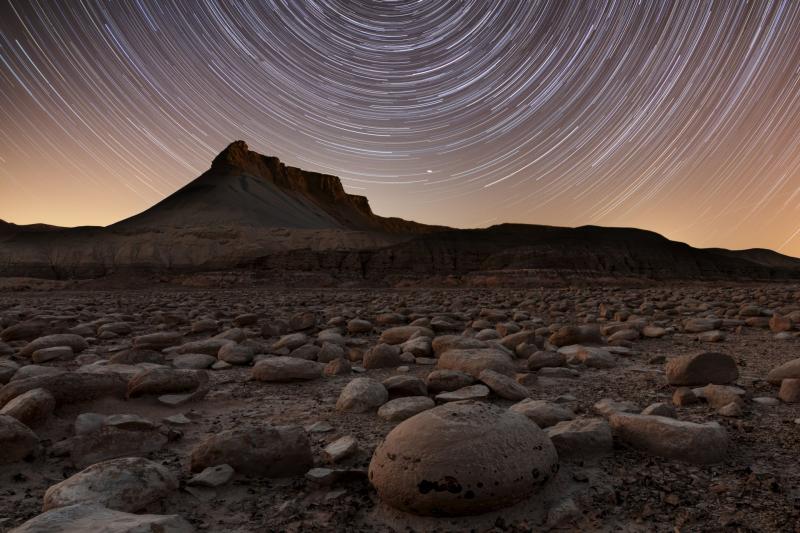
[680,117]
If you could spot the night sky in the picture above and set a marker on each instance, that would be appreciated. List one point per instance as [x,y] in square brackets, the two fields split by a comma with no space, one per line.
[683,118]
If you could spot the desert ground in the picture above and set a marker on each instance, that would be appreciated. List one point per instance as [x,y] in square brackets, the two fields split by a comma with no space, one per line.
[665,408]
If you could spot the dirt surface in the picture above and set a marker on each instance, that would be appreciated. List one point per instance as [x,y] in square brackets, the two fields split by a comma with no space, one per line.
[755,488]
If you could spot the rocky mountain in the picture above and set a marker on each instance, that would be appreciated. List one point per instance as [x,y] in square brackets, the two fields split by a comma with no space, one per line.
[252,212]
[246,189]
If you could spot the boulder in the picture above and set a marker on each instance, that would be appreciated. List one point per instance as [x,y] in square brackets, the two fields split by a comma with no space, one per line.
[362,395]
[68,387]
[462,459]
[382,356]
[81,518]
[473,392]
[282,369]
[503,386]
[542,412]
[447,380]
[31,408]
[399,386]
[400,334]
[17,441]
[76,342]
[267,451]
[670,438]
[539,360]
[701,369]
[583,438]
[164,381]
[158,341]
[789,369]
[475,361]
[125,484]
[402,408]
[567,335]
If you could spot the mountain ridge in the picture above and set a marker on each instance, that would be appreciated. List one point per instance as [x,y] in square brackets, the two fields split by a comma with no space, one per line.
[250,211]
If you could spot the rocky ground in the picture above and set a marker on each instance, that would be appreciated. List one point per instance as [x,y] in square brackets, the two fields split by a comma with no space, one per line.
[265,410]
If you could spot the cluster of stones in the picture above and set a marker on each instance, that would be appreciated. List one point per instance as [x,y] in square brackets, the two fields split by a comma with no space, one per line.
[470,437]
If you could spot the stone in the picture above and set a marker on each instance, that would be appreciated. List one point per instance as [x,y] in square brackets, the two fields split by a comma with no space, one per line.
[127,484]
[205,346]
[236,354]
[542,412]
[81,518]
[340,449]
[400,334]
[720,395]
[111,443]
[447,380]
[213,476]
[68,387]
[568,335]
[399,386]
[670,438]
[503,386]
[266,451]
[330,352]
[156,381]
[402,408]
[291,341]
[282,369]
[473,392]
[684,396]
[660,409]
[62,353]
[540,360]
[309,352]
[624,335]
[595,357]
[766,400]
[382,356]
[158,341]
[32,408]
[75,342]
[337,367]
[17,441]
[701,369]
[134,356]
[790,390]
[358,325]
[583,438]
[607,406]
[193,361]
[302,321]
[699,325]
[475,361]
[444,343]
[362,395]
[733,409]
[789,369]
[714,335]
[462,459]
[778,323]
[653,332]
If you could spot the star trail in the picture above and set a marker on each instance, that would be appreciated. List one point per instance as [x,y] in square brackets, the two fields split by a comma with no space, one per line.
[679,117]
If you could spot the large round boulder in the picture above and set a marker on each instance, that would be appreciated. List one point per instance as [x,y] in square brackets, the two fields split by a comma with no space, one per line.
[462,458]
